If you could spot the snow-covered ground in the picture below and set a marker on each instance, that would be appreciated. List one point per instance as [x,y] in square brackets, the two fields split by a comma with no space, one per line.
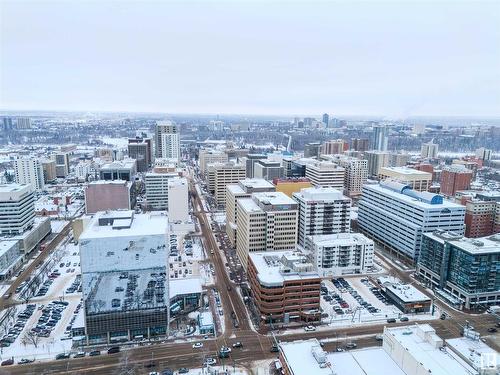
[58,225]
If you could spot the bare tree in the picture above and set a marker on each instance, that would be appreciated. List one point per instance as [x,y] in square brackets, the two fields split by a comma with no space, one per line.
[32,338]
[126,368]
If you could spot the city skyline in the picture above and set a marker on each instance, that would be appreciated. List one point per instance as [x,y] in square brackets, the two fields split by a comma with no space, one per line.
[381,59]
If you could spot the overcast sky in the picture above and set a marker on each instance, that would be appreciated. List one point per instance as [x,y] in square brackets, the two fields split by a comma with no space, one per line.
[394,58]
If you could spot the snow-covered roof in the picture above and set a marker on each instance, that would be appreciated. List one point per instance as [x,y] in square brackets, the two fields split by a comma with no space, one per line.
[325,194]
[7,245]
[179,287]
[341,239]
[307,357]
[406,293]
[421,342]
[141,225]
[472,351]
[276,267]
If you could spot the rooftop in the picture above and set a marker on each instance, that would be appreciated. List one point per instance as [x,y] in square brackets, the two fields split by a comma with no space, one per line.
[7,245]
[406,292]
[275,267]
[341,239]
[141,225]
[406,171]
[307,357]
[320,194]
[255,183]
[403,192]
[422,343]
[273,198]
[13,190]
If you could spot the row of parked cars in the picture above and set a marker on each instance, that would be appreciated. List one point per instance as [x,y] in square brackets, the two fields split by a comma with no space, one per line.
[76,285]
[51,315]
[21,320]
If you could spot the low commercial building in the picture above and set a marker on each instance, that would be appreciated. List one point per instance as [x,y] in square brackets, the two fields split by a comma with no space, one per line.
[243,189]
[285,286]
[108,195]
[419,350]
[406,297]
[466,269]
[341,254]
[306,357]
[417,180]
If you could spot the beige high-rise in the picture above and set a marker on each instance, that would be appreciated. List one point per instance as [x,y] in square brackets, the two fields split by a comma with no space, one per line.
[266,222]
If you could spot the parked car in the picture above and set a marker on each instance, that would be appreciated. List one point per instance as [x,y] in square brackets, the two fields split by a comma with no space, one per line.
[8,362]
[114,349]
[94,353]
[391,320]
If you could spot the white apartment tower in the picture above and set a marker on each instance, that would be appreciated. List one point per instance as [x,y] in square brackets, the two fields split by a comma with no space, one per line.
[429,150]
[178,201]
[156,185]
[322,211]
[266,222]
[167,140]
[341,254]
[325,174]
[17,208]
[29,170]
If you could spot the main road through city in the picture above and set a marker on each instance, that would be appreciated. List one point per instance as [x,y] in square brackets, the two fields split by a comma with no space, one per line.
[174,355]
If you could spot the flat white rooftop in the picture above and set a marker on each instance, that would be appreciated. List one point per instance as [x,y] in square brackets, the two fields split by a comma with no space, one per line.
[341,239]
[406,171]
[475,352]
[320,194]
[299,358]
[179,287]
[271,271]
[13,191]
[407,293]
[273,198]
[256,183]
[420,342]
[6,245]
[142,225]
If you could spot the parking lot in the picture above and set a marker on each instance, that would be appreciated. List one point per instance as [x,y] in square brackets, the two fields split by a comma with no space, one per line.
[346,301]
[41,328]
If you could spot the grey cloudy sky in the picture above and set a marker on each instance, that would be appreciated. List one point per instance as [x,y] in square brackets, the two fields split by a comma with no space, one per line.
[392,58]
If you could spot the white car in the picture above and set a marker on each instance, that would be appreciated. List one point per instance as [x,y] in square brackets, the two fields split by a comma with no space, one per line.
[209,361]
[198,345]
[309,328]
